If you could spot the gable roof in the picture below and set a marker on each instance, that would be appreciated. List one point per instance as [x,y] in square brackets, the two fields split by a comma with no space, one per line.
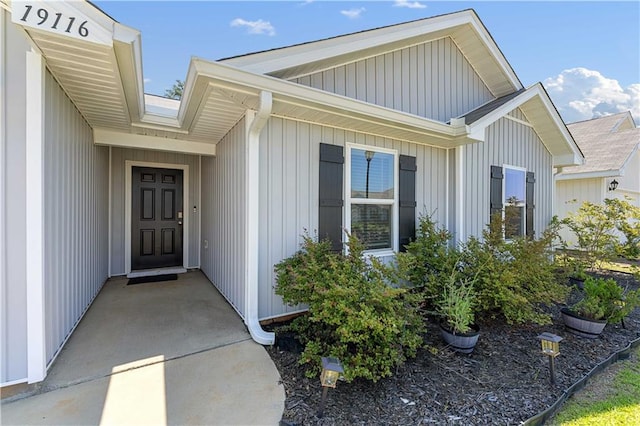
[608,144]
[104,80]
[536,105]
[464,28]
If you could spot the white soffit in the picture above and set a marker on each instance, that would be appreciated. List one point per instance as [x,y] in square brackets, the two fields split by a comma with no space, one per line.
[540,112]
[464,28]
[86,51]
[216,97]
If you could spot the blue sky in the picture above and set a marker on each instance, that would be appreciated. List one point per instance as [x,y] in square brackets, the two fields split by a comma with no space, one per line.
[587,54]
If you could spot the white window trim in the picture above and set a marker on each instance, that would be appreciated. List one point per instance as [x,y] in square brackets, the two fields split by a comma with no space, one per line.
[395,202]
[504,200]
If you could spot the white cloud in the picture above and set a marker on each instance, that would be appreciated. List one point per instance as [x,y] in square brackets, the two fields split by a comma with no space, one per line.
[306,2]
[409,4]
[353,13]
[582,94]
[147,80]
[255,27]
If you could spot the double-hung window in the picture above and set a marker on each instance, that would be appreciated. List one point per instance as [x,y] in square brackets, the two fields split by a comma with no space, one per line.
[372,194]
[514,193]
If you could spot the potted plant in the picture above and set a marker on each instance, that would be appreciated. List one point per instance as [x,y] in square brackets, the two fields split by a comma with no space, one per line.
[604,301]
[456,305]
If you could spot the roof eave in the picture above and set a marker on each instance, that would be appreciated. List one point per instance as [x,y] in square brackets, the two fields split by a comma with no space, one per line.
[127,48]
[589,175]
[560,143]
[204,75]
[277,62]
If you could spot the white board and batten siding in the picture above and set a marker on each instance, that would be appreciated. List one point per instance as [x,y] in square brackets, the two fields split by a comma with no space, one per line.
[289,197]
[507,142]
[432,80]
[76,216]
[223,238]
[119,157]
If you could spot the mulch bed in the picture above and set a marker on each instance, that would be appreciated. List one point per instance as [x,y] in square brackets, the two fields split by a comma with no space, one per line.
[504,381]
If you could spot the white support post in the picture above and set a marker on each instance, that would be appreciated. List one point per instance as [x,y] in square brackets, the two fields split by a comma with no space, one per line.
[36,349]
[460,194]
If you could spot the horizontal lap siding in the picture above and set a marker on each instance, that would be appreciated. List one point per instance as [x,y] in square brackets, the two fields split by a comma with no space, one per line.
[76,220]
[118,158]
[289,170]
[507,143]
[432,80]
[223,215]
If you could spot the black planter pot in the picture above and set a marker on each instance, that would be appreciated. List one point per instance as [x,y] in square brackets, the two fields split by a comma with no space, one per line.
[581,326]
[461,342]
[578,282]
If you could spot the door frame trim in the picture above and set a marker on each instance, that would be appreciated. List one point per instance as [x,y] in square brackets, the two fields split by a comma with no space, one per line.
[129,165]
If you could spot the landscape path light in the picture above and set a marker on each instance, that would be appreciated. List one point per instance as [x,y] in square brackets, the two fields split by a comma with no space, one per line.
[551,348]
[331,370]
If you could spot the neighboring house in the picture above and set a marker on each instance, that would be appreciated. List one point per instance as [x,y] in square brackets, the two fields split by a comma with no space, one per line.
[611,147]
[364,132]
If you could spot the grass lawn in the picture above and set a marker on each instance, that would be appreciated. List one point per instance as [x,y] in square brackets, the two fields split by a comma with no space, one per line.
[612,398]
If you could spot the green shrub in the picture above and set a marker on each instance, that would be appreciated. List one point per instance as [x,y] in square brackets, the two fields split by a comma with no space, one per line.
[354,313]
[513,279]
[604,299]
[626,218]
[594,228]
[457,303]
[517,278]
[428,260]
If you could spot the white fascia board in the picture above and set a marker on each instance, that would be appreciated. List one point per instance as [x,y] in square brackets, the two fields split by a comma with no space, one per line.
[293,56]
[559,123]
[589,175]
[317,51]
[129,140]
[202,73]
[82,21]
[567,160]
[127,48]
[476,129]
[495,51]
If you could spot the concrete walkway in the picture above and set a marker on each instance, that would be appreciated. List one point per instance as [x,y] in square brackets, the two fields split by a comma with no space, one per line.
[160,353]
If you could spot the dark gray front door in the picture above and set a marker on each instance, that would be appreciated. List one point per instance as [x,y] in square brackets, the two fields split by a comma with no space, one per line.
[156,218]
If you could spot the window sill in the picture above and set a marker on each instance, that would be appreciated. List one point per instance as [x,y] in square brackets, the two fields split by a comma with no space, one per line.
[379,253]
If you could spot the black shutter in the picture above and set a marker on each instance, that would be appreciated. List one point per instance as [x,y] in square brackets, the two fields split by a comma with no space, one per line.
[331,178]
[531,180]
[407,199]
[495,196]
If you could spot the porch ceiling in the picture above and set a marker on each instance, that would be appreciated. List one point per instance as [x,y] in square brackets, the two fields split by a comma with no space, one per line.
[89,74]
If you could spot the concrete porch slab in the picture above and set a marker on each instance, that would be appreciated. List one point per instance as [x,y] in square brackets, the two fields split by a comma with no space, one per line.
[171,352]
[232,385]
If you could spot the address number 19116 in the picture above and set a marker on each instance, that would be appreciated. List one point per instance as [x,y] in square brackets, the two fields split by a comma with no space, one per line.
[42,17]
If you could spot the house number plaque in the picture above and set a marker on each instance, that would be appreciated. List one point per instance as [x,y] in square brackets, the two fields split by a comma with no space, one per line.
[58,17]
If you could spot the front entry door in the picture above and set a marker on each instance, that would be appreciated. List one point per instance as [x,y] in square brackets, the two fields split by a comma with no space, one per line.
[156,218]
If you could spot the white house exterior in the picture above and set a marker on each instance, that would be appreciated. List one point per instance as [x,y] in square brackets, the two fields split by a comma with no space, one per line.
[611,147]
[98,179]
